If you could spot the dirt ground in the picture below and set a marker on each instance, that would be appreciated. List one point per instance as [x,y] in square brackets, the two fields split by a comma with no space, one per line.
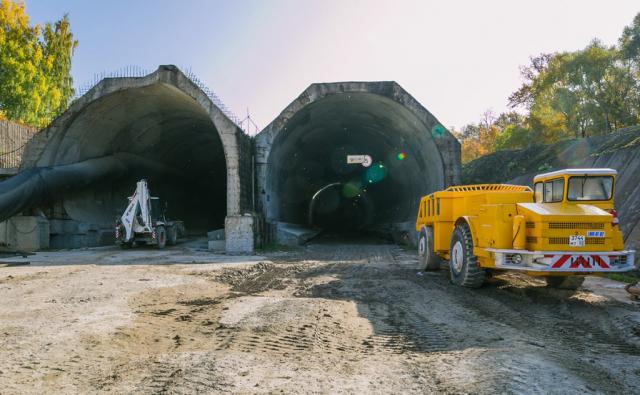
[330,317]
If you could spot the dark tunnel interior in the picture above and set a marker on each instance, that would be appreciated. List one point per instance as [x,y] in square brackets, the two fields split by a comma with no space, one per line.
[311,183]
[161,125]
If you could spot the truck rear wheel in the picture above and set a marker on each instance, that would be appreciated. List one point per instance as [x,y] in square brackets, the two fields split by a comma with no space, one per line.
[463,265]
[565,282]
[429,260]
[161,236]
[172,235]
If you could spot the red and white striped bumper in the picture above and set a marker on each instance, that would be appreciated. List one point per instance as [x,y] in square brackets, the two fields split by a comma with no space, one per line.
[564,261]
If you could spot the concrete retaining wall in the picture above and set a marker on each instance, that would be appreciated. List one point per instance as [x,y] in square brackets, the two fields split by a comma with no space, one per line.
[25,233]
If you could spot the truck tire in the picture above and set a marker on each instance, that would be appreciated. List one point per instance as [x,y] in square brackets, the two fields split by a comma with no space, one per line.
[172,235]
[429,260]
[161,236]
[463,265]
[565,282]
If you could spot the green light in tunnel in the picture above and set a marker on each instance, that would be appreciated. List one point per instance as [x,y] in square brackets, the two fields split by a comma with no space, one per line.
[351,189]
[376,173]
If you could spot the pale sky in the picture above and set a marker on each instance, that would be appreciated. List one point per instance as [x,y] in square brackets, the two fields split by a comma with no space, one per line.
[457,58]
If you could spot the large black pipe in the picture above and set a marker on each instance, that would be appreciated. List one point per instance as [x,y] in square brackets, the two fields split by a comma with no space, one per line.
[36,186]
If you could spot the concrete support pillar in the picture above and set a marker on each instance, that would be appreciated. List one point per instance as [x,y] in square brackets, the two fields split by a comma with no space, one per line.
[240,233]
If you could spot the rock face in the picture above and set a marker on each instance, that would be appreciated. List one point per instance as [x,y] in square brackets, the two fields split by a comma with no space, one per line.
[619,150]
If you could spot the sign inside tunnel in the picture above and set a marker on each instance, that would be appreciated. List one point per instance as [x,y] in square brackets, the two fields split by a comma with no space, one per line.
[365,160]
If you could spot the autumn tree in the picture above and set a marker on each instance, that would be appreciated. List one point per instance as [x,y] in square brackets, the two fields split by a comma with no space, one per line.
[577,94]
[35,66]
[477,139]
[582,93]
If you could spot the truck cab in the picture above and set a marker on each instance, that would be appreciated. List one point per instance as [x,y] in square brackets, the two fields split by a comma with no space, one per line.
[566,226]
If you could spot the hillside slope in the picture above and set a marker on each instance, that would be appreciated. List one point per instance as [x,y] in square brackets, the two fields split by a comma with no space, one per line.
[620,150]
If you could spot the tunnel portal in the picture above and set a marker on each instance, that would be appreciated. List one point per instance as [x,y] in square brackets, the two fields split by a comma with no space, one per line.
[166,129]
[161,127]
[306,180]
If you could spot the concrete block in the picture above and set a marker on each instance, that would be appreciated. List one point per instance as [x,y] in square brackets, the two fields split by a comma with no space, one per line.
[240,236]
[217,234]
[217,245]
[28,233]
[294,234]
[105,237]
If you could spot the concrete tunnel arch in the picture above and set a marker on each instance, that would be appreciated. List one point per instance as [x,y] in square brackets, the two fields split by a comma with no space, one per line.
[303,152]
[161,127]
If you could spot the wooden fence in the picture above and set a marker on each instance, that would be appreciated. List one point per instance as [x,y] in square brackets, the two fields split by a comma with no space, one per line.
[13,139]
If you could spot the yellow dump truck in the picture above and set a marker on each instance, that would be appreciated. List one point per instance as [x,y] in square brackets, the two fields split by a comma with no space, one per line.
[564,228]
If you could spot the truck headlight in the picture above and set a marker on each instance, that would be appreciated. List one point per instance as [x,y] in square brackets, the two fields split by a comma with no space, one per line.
[516,259]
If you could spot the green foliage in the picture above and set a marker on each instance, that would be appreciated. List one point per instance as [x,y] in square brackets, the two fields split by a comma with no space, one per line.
[629,278]
[512,137]
[520,165]
[35,66]
[590,92]
[630,40]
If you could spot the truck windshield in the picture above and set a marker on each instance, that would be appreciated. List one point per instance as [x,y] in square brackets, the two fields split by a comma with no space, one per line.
[590,188]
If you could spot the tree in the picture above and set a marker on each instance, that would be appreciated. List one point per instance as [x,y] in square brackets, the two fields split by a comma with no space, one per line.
[581,93]
[577,94]
[531,74]
[630,40]
[478,139]
[630,52]
[35,66]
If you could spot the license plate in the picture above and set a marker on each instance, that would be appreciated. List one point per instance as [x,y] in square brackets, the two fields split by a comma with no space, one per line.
[576,241]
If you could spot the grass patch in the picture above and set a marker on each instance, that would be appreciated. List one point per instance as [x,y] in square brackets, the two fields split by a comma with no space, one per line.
[407,247]
[628,278]
[276,247]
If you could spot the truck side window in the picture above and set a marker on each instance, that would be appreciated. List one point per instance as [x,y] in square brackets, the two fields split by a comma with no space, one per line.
[438,206]
[538,192]
[554,190]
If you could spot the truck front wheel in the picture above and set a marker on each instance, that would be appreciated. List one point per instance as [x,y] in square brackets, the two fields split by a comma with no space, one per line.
[161,236]
[428,258]
[463,265]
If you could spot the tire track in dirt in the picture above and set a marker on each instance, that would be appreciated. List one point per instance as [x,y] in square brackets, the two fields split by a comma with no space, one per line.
[561,338]
[190,373]
[404,330]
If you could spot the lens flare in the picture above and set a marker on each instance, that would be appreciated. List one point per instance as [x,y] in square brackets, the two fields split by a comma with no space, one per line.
[437,130]
[376,173]
[401,156]
[351,189]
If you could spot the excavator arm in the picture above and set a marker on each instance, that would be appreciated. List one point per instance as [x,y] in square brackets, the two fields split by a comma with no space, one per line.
[137,217]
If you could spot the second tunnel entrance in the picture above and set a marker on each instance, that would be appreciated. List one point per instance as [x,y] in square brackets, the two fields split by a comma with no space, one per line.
[304,177]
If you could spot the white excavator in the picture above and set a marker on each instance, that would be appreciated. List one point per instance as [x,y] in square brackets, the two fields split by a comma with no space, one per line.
[144,222]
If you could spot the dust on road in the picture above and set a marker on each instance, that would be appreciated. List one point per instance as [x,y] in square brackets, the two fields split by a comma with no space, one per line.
[331,317]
